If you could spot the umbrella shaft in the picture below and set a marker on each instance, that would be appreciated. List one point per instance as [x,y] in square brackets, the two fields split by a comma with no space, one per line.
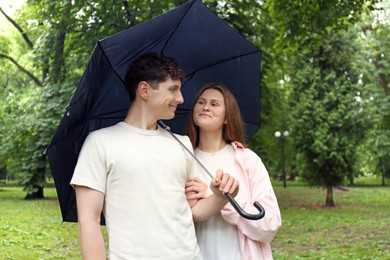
[160,123]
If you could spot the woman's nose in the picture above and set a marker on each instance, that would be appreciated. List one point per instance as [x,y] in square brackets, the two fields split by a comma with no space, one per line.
[206,107]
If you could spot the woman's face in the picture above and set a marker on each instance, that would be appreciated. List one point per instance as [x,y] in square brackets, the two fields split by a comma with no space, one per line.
[209,111]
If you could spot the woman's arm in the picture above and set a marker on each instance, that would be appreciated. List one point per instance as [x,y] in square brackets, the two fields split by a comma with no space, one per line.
[259,189]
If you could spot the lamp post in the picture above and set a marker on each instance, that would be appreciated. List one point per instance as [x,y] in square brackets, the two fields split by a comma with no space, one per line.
[282,139]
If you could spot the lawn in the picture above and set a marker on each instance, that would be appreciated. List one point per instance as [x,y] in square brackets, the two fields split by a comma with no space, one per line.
[357,228]
[34,229]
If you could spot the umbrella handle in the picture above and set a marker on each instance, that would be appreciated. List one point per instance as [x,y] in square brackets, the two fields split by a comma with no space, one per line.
[244,214]
[228,196]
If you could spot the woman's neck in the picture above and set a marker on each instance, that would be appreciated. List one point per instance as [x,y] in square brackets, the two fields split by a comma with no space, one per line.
[211,142]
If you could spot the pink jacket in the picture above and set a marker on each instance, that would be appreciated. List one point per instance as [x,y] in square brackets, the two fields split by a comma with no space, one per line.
[255,236]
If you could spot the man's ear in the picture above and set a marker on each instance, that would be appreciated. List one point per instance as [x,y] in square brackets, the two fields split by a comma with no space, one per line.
[143,89]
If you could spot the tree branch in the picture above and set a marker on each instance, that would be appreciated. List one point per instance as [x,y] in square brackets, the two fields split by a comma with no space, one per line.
[382,76]
[24,70]
[128,14]
[29,43]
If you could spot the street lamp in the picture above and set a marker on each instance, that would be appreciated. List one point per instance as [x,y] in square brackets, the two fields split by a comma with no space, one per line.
[282,139]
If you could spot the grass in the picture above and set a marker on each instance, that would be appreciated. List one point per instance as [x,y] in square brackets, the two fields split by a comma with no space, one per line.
[34,229]
[357,228]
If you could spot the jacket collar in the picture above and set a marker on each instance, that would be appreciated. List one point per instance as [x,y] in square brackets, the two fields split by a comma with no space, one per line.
[237,145]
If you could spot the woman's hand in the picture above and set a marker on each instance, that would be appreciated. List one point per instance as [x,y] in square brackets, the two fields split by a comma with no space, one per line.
[224,183]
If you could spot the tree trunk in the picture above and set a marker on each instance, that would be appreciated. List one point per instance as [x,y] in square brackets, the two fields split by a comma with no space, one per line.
[350,178]
[292,177]
[329,197]
[35,195]
[382,170]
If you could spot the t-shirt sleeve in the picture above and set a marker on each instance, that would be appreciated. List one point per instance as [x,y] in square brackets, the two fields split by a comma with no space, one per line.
[91,170]
[192,164]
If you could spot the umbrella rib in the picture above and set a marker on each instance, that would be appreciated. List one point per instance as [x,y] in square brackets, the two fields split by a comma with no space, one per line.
[177,25]
[109,62]
[190,75]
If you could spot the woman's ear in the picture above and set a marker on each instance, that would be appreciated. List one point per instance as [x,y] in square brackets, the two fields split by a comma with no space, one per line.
[143,90]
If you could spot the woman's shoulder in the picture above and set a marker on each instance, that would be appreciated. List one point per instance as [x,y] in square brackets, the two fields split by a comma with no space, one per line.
[245,151]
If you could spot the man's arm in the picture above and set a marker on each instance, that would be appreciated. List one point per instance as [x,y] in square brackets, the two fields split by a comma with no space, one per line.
[89,208]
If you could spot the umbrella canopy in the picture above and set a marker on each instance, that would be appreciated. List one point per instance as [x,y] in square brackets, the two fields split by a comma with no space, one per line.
[207,49]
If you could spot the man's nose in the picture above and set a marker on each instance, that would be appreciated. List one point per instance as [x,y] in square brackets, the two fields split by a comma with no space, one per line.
[179,98]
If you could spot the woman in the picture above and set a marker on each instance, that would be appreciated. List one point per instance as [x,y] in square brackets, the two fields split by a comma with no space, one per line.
[217,135]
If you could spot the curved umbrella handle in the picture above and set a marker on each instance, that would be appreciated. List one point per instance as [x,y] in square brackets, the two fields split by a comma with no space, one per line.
[228,196]
[242,212]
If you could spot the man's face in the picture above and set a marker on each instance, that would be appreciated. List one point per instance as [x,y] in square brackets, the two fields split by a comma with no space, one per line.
[165,99]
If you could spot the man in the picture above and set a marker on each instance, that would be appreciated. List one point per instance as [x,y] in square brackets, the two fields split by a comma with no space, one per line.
[136,173]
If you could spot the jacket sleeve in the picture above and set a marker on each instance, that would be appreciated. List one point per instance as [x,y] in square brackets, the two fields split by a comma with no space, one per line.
[255,185]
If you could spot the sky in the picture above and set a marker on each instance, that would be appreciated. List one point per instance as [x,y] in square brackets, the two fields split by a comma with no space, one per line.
[10,5]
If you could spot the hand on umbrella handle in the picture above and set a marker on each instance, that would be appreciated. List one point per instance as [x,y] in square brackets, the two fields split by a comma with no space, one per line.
[228,196]
[242,212]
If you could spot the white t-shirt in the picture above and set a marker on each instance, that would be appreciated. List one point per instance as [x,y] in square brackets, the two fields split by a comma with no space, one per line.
[217,238]
[142,174]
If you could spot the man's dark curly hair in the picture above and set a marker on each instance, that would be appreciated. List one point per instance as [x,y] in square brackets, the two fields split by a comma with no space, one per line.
[153,68]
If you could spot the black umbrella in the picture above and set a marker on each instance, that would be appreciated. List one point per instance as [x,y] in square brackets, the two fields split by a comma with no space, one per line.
[203,44]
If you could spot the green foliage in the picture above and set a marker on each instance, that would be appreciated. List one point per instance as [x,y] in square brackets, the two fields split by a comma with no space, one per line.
[308,23]
[373,61]
[327,122]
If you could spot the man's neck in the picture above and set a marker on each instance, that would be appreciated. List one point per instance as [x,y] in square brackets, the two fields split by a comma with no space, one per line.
[138,117]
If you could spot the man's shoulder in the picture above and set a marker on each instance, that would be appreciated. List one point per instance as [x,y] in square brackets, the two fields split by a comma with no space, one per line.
[104,133]
[181,137]
[107,129]
[185,140]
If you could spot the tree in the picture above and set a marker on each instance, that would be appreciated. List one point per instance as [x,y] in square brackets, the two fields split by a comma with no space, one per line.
[327,121]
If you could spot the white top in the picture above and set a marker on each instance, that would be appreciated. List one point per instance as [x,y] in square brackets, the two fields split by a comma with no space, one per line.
[142,174]
[217,238]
